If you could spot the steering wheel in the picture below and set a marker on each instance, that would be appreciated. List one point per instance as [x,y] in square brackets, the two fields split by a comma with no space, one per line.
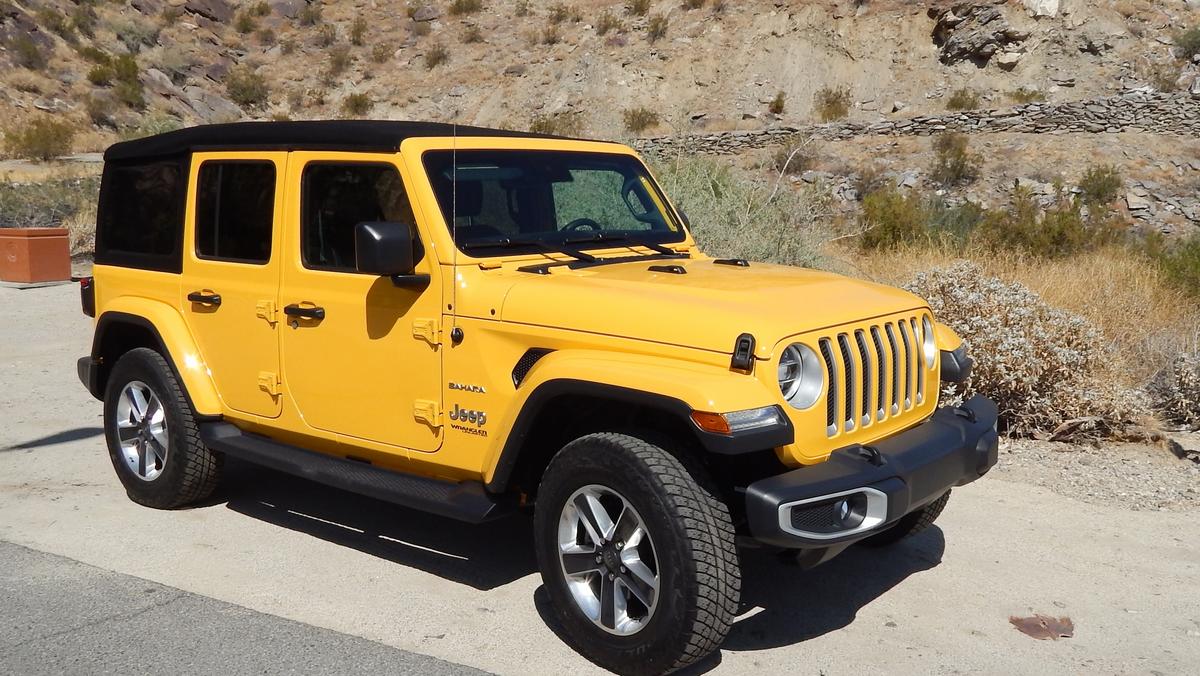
[582,224]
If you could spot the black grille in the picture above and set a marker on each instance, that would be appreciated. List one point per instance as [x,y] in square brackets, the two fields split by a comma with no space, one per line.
[867,382]
[879,373]
[526,362]
[819,518]
[831,398]
[848,361]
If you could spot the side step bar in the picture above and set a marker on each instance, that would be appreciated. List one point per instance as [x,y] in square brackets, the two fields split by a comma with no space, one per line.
[465,501]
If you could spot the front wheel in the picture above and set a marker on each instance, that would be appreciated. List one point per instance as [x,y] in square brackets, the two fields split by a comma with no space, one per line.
[637,555]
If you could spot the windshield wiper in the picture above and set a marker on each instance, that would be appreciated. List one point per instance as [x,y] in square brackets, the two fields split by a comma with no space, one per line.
[601,237]
[512,243]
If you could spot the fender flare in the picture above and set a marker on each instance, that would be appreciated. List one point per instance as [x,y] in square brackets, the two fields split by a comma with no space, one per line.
[178,347]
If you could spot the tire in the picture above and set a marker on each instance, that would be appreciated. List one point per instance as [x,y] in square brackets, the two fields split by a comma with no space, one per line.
[180,470]
[910,524]
[691,548]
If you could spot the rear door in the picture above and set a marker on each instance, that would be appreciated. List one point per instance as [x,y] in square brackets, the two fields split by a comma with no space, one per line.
[231,270]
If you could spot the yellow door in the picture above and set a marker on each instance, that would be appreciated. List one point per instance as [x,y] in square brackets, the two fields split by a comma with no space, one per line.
[365,361]
[230,276]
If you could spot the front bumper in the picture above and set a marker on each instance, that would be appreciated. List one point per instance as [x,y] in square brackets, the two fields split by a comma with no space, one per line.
[885,480]
[89,374]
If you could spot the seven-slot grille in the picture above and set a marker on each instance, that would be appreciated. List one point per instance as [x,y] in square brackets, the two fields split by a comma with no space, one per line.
[873,373]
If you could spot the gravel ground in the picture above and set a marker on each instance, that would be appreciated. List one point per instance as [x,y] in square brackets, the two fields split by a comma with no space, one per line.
[1134,476]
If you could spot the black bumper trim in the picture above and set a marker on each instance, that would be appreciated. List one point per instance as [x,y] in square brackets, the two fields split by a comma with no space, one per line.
[954,447]
[89,374]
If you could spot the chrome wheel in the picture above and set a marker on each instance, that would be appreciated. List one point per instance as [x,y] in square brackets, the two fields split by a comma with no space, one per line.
[142,430]
[608,560]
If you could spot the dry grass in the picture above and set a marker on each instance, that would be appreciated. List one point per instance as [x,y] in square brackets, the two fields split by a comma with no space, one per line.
[1140,314]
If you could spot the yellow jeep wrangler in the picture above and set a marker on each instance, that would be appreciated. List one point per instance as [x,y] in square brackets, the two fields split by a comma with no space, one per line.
[473,322]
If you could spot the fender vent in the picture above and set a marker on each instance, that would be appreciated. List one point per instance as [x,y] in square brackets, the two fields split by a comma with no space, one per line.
[526,362]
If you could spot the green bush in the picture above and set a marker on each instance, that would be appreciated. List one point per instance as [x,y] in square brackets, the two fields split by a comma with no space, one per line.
[339,60]
[244,23]
[46,204]
[638,7]
[557,124]
[100,109]
[135,33]
[41,139]
[890,218]
[436,56]
[953,163]
[1100,185]
[128,87]
[1057,231]
[962,99]
[607,22]
[831,103]
[795,156]
[737,214]
[100,75]
[83,18]
[778,104]
[95,54]
[259,9]
[381,52]
[150,125]
[56,22]
[1182,264]
[27,53]
[639,119]
[357,105]
[1188,43]
[1025,95]
[358,31]
[656,28]
[246,88]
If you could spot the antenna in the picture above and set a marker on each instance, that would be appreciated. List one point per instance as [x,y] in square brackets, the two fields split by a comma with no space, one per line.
[455,332]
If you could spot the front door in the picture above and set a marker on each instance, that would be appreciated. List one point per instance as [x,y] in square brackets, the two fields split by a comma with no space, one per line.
[360,355]
[231,274]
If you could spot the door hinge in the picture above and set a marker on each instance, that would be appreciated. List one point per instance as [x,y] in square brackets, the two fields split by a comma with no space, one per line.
[427,330]
[427,412]
[268,382]
[265,309]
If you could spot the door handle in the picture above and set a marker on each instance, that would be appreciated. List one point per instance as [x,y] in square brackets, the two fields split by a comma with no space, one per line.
[205,298]
[294,310]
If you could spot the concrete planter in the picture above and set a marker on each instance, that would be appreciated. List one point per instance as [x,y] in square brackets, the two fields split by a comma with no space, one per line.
[34,255]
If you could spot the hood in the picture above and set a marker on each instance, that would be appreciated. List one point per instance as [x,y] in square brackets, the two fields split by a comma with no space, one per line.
[708,307]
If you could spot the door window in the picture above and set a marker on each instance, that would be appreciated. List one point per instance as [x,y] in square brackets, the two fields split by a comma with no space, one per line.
[337,197]
[235,209]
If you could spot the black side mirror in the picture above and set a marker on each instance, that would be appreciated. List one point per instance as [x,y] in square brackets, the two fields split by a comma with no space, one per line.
[386,249]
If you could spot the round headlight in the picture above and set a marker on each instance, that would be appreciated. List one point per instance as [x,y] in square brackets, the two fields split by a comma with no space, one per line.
[801,379]
[930,346]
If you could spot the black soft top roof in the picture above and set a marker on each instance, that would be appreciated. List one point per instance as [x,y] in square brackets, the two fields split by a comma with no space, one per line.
[351,135]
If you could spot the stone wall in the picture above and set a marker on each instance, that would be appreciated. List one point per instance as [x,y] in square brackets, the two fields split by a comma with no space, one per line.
[1176,114]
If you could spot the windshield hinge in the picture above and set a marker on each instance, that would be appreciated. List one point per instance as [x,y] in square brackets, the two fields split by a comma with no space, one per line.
[265,309]
[426,410]
[427,330]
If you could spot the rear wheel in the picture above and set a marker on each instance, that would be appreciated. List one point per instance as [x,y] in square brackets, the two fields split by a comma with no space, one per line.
[152,437]
[910,524]
[638,558]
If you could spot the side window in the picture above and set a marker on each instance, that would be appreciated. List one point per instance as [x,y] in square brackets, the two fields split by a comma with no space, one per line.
[235,209]
[337,197]
[139,222]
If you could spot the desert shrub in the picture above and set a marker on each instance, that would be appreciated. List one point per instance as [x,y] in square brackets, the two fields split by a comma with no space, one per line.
[1181,264]
[1059,230]
[266,36]
[357,105]
[607,22]
[259,8]
[1162,76]
[1176,390]
[56,22]
[27,54]
[868,179]
[47,204]
[954,163]
[638,7]
[94,54]
[550,34]
[778,104]
[557,124]
[522,8]
[1100,185]
[135,33]
[693,4]
[1026,95]
[83,18]
[436,56]
[287,46]
[739,215]
[656,28]
[244,23]
[381,52]
[310,14]
[128,86]
[1041,365]
[952,223]
[40,139]
[149,125]
[1187,43]
[639,119]
[100,109]
[461,7]
[473,34]
[795,156]
[831,103]
[339,60]
[962,99]
[100,75]
[326,35]
[890,218]
[246,88]
[358,31]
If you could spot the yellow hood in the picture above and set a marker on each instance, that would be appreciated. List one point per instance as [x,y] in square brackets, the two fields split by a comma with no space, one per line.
[706,308]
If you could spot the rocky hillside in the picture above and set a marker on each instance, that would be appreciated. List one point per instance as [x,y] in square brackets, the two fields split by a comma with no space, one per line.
[113,67]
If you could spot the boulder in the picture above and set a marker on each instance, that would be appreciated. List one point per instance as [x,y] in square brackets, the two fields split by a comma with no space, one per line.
[147,7]
[426,13]
[970,31]
[1040,8]
[1008,60]
[210,107]
[160,83]
[215,10]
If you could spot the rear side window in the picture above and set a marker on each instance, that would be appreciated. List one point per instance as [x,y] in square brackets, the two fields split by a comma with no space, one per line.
[139,221]
[337,197]
[235,210]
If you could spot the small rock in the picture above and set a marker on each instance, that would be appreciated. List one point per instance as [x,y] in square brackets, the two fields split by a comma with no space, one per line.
[1008,60]
[1136,202]
[515,69]
[898,106]
[426,13]
[1040,8]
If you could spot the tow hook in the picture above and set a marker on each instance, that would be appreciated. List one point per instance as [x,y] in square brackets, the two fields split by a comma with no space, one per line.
[871,455]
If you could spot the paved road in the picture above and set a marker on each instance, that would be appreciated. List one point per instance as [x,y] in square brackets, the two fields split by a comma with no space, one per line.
[285,548]
[65,617]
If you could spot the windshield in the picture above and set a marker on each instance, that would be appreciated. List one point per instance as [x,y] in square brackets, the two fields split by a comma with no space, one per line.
[528,199]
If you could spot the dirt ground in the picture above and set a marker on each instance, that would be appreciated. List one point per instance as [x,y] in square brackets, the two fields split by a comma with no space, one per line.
[939,603]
